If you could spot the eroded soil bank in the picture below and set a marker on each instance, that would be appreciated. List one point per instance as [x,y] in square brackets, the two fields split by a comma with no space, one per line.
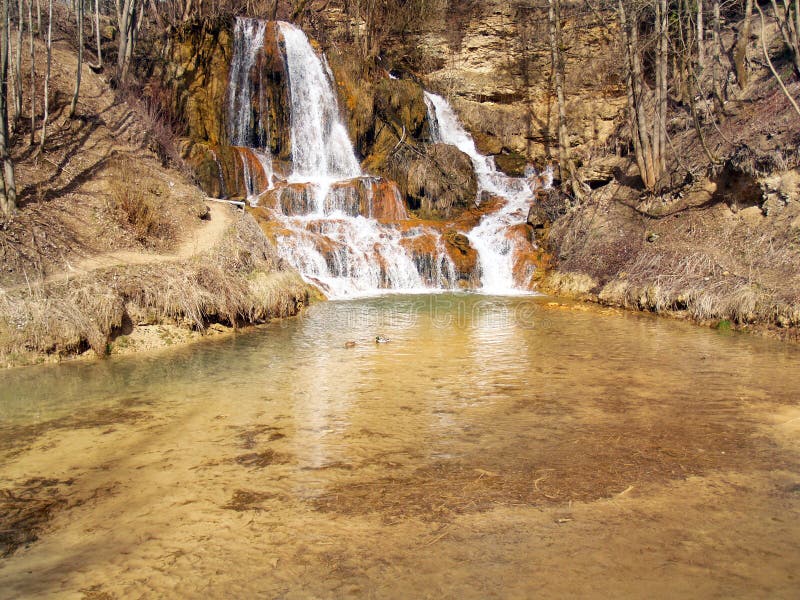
[494,448]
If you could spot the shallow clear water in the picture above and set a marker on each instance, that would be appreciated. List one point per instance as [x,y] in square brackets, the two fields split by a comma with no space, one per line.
[489,436]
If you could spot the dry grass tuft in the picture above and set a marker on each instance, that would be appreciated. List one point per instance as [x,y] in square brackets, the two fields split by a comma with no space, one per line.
[662,282]
[147,216]
[239,282]
[60,320]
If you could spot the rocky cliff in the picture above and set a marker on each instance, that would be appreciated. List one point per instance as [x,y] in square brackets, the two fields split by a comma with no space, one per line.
[492,61]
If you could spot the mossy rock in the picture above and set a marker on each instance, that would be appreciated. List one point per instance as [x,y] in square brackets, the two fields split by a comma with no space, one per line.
[511,163]
[441,183]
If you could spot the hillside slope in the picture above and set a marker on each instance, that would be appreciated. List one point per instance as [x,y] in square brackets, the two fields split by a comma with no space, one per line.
[112,240]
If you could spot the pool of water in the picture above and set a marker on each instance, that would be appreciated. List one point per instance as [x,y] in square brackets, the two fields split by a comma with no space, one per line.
[493,447]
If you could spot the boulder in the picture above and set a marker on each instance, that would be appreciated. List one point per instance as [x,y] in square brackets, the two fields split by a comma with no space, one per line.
[463,255]
[511,163]
[441,183]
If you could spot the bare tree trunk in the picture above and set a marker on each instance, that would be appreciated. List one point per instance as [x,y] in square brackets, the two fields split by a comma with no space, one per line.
[639,92]
[74,106]
[642,129]
[33,74]
[557,61]
[99,64]
[47,75]
[39,17]
[775,73]
[8,189]
[701,30]
[126,19]
[659,76]
[17,67]
[789,25]
[716,67]
[661,93]
[740,52]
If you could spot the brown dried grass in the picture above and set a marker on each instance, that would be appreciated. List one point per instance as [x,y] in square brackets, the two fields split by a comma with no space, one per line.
[149,218]
[240,281]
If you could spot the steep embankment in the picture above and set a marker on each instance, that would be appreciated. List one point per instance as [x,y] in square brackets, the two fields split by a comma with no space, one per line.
[722,244]
[113,247]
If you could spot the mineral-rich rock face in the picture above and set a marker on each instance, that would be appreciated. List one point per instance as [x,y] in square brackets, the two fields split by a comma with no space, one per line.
[197,76]
[499,76]
[371,197]
[442,182]
[491,59]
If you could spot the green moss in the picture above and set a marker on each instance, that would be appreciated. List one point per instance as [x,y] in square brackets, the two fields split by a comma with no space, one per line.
[724,325]
[512,164]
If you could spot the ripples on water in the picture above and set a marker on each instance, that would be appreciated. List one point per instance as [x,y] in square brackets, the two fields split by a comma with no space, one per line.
[476,403]
[441,346]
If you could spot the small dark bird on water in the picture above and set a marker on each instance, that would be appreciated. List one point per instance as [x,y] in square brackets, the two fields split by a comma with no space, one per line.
[379,339]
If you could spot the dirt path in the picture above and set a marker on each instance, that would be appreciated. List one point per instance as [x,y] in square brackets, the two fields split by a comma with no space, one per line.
[68,224]
[205,237]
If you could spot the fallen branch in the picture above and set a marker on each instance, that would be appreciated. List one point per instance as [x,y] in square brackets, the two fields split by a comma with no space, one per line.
[238,203]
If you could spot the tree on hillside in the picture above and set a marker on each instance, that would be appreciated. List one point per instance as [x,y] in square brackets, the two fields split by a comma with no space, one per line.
[772,69]
[129,22]
[99,64]
[46,108]
[8,189]
[647,106]
[79,17]
[740,50]
[33,73]
[788,19]
[17,65]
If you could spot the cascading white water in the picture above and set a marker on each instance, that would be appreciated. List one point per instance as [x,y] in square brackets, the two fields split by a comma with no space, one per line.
[243,132]
[490,237]
[321,148]
[248,42]
[326,231]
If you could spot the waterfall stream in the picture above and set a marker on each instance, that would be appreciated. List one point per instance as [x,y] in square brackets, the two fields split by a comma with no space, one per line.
[490,237]
[326,213]
[321,148]
[251,140]
[347,232]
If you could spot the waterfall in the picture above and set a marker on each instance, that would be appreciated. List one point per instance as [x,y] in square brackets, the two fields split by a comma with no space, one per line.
[248,42]
[490,237]
[246,128]
[321,148]
[337,227]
